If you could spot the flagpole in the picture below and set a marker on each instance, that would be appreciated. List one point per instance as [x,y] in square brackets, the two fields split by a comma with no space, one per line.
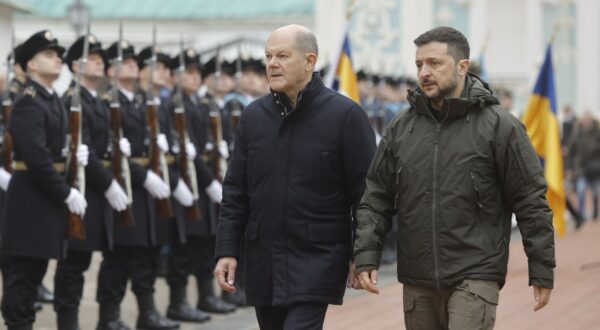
[334,60]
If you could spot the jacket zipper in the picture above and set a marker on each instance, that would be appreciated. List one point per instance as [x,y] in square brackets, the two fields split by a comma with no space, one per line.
[433,208]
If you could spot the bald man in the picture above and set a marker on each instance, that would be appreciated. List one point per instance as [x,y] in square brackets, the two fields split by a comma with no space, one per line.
[297,171]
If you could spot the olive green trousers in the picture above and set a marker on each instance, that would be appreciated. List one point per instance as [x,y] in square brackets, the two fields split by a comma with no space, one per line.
[470,305]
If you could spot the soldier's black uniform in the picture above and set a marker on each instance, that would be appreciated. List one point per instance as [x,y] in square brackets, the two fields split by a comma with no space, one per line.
[99,217]
[35,222]
[135,251]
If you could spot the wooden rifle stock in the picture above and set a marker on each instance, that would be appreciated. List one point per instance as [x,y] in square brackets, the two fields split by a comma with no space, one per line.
[75,174]
[157,165]
[7,140]
[186,166]
[120,166]
[218,164]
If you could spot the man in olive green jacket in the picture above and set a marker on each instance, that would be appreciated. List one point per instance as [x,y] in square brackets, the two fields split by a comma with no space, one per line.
[454,167]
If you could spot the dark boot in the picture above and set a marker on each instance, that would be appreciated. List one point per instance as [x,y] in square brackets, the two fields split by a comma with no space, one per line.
[44,295]
[22,327]
[150,319]
[180,310]
[237,298]
[110,318]
[209,302]
[67,320]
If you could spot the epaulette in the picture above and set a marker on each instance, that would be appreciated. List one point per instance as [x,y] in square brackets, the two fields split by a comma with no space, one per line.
[30,90]
[70,92]
[205,101]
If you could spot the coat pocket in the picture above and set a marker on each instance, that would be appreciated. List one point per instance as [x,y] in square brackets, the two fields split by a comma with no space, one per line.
[526,159]
[474,181]
[397,188]
[329,232]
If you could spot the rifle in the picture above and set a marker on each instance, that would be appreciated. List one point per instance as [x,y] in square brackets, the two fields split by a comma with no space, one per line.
[236,112]
[75,172]
[218,163]
[158,162]
[6,111]
[186,166]
[120,164]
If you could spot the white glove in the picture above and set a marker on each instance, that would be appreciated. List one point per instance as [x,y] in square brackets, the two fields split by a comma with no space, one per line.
[4,178]
[190,151]
[163,145]
[215,191]
[125,147]
[76,202]
[116,196]
[183,194]
[156,186]
[82,155]
[224,149]
[208,146]
[377,139]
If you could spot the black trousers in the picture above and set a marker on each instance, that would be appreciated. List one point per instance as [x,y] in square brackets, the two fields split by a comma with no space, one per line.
[68,281]
[300,316]
[195,257]
[124,263]
[22,276]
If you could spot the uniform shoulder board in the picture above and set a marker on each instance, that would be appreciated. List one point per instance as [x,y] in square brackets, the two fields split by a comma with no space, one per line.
[30,90]
[205,101]
[70,92]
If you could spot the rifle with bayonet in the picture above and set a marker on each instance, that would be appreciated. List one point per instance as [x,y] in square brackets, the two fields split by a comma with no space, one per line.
[74,171]
[218,163]
[6,111]
[236,111]
[158,162]
[119,162]
[186,166]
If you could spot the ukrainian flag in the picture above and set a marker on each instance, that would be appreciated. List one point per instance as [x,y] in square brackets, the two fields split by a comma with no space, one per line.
[343,79]
[541,121]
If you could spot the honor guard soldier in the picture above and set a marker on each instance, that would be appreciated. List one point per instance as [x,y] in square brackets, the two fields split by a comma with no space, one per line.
[136,248]
[191,257]
[103,193]
[38,197]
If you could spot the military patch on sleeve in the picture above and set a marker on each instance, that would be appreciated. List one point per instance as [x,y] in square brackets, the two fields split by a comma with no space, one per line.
[30,90]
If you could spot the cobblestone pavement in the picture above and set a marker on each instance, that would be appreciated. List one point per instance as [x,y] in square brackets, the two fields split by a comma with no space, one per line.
[574,305]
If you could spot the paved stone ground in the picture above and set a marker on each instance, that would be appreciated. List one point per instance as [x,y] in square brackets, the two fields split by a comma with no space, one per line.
[575,302]
[574,305]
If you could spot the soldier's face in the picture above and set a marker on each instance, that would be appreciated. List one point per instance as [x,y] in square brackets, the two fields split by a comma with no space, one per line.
[94,67]
[129,69]
[190,81]
[439,74]
[161,75]
[46,63]
[287,68]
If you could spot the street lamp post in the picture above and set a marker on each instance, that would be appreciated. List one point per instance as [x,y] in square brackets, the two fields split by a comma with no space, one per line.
[79,15]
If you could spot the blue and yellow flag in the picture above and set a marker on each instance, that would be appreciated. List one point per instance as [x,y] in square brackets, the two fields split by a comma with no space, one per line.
[541,120]
[343,79]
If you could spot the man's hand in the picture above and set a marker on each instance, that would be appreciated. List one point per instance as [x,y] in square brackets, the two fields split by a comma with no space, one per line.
[352,279]
[225,273]
[368,281]
[541,296]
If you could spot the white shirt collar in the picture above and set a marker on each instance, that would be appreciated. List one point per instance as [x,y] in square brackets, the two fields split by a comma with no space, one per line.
[129,95]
